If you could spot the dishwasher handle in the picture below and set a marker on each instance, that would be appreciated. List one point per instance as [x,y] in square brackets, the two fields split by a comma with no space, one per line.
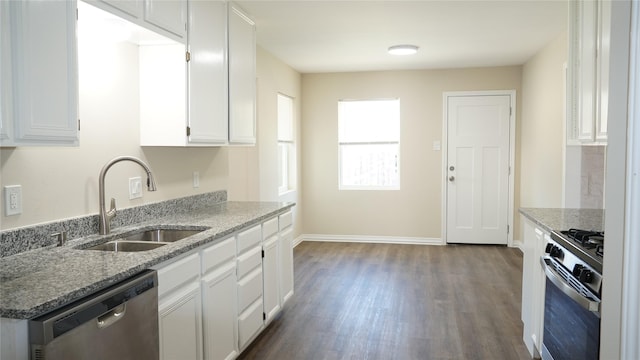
[112,316]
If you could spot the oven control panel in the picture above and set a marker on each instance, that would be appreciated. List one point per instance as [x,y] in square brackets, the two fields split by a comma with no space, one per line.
[579,269]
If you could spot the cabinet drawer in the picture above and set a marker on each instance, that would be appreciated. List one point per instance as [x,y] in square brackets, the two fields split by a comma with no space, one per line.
[249,323]
[270,227]
[249,238]
[218,254]
[286,220]
[249,289]
[248,261]
[178,274]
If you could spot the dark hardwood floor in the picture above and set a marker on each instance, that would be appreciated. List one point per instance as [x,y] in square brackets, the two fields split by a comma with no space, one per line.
[379,301]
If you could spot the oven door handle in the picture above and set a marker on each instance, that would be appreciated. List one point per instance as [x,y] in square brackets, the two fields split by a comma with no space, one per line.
[557,280]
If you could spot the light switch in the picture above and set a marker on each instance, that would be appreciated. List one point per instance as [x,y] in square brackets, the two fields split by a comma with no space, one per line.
[196,179]
[12,200]
[135,187]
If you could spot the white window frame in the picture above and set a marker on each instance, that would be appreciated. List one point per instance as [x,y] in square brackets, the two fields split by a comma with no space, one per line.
[286,146]
[342,186]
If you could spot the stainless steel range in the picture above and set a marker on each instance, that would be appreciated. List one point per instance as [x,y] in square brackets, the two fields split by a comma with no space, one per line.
[573,266]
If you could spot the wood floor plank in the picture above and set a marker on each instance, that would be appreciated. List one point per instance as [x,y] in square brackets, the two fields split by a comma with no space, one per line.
[389,301]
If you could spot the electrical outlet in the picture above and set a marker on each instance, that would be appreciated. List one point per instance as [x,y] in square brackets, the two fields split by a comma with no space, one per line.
[135,187]
[196,179]
[12,200]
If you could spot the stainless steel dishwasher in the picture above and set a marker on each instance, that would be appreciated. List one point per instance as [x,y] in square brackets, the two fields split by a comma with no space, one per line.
[119,322]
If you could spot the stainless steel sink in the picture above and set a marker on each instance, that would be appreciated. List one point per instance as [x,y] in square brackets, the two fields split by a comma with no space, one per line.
[127,246]
[144,240]
[160,235]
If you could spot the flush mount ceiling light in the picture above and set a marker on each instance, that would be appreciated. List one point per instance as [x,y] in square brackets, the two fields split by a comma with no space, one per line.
[403,50]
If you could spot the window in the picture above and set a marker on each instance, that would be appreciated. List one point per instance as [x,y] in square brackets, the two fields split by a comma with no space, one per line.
[286,148]
[369,144]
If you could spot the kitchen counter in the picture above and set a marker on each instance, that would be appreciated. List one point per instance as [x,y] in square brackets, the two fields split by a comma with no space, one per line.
[564,219]
[35,282]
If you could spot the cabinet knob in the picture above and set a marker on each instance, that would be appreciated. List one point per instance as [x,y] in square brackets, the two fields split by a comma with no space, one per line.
[451,178]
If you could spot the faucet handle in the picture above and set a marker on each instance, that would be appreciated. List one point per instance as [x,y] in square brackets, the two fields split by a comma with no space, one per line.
[112,210]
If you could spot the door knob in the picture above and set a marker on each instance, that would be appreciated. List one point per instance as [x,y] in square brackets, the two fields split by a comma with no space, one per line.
[451,168]
[451,178]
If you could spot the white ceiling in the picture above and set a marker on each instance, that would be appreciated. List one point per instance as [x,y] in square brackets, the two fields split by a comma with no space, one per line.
[338,36]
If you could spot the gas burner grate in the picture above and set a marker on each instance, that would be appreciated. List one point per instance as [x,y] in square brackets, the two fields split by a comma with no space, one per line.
[588,239]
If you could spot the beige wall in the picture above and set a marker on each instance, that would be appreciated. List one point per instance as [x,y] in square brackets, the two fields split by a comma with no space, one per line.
[253,171]
[541,130]
[415,210]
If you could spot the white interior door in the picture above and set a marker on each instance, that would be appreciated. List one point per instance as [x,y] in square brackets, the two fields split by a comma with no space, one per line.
[477,191]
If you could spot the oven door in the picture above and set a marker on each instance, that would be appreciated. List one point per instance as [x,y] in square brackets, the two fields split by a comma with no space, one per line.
[571,317]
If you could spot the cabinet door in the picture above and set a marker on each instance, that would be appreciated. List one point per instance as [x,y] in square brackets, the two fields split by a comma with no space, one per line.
[168,15]
[130,7]
[587,28]
[242,78]
[270,297]
[286,265]
[220,318]
[208,115]
[41,41]
[180,324]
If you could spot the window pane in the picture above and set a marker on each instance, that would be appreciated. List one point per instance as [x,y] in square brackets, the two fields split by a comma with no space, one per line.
[285,118]
[369,165]
[369,121]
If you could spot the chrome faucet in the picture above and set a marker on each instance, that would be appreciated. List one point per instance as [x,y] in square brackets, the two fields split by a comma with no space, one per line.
[106,216]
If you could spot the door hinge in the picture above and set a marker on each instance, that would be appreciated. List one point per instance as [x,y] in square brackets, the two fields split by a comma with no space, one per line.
[509,173]
[507,229]
[188,56]
[510,111]
[78,124]
[188,131]
[263,254]
[264,316]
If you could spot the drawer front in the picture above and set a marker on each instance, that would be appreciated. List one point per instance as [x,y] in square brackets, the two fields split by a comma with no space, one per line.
[286,220]
[269,228]
[218,254]
[249,289]
[178,274]
[249,238]
[249,323]
[249,261]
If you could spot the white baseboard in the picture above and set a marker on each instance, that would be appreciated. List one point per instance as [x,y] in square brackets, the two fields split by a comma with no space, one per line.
[298,240]
[518,244]
[370,239]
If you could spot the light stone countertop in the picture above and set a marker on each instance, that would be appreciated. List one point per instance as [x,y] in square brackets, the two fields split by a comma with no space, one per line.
[35,282]
[564,219]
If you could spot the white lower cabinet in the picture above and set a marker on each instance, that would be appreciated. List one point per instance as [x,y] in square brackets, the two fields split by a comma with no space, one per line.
[286,257]
[533,287]
[271,296]
[180,309]
[214,302]
[250,311]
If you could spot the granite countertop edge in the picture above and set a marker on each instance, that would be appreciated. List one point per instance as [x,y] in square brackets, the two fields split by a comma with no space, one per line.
[38,281]
[550,219]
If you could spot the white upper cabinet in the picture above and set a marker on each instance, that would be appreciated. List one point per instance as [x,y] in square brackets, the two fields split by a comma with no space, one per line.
[168,15]
[219,103]
[589,26]
[39,73]
[242,77]
[208,81]
[165,17]
[132,8]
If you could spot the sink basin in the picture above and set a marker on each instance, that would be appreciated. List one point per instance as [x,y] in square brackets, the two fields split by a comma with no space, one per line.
[127,246]
[160,235]
[144,240]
